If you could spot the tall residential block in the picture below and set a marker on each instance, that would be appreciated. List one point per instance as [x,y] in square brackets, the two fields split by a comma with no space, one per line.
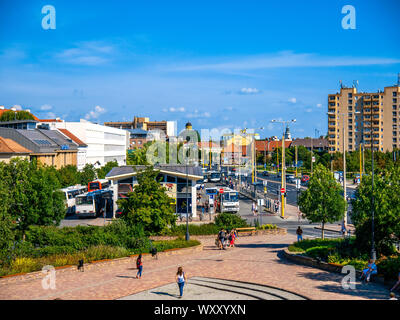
[357,118]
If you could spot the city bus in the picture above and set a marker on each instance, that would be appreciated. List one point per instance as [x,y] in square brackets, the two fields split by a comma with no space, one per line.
[227,201]
[92,204]
[98,185]
[70,194]
[214,176]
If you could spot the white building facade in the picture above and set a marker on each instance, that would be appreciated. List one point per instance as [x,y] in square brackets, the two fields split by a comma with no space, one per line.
[104,144]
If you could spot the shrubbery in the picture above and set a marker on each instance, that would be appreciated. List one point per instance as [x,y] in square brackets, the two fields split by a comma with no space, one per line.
[346,252]
[47,245]
[230,221]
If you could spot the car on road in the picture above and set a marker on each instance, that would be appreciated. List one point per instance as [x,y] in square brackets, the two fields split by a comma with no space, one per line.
[305,178]
[265,174]
[199,184]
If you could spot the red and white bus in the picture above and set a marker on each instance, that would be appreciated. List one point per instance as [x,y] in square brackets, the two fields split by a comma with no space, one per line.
[99,184]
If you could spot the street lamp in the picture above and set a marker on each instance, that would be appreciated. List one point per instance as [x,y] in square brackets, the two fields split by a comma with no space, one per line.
[187,236]
[283,171]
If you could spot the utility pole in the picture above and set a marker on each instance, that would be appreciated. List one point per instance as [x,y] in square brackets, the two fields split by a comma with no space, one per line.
[344,171]
[209,145]
[311,155]
[283,180]
[295,156]
[373,252]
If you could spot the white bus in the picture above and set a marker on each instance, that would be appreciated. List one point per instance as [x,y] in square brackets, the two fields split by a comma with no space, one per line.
[93,204]
[70,194]
[227,201]
[214,176]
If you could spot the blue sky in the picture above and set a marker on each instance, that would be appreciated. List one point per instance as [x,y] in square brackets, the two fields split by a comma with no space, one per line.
[218,64]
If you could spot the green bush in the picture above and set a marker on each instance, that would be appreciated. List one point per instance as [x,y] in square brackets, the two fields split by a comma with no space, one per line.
[389,267]
[321,252]
[230,221]
[294,248]
[267,227]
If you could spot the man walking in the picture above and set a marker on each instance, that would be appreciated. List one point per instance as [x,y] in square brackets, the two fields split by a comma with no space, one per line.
[299,233]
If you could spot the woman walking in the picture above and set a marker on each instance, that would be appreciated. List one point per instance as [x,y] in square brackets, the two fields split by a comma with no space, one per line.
[180,279]
[139,266]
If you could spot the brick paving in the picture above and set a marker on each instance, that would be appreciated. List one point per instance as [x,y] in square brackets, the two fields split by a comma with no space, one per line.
[255,259]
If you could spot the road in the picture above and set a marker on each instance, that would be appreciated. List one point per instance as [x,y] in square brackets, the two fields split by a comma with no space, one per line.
[309,230]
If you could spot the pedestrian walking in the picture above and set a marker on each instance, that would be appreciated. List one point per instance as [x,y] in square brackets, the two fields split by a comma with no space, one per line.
[299,233]
[397,284]
[343,230]
[232,239]
[221,238]
[253,208]
[299,215]
[180,279]
[139,266]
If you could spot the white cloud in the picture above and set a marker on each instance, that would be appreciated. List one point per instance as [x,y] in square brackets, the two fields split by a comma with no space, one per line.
[173,109]
[17,107]
[90,53]
[94,114]
[319,105]
[292,100]
[46,107]
[309,110]
[249,91]
[284,60]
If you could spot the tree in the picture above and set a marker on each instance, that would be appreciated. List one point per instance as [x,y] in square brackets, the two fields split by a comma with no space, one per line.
[102,172]
[148,204]
[34,190]
[10,115]
[69,176]
[7,233]
[138,156]
[323,200]
[386,211]
[87,174]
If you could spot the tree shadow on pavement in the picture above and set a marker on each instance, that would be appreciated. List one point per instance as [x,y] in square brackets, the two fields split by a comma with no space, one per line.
[370,291]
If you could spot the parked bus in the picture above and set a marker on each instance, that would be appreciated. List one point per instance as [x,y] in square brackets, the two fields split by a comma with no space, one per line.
[90,204]
[98,185]
[70,194]
[227,201]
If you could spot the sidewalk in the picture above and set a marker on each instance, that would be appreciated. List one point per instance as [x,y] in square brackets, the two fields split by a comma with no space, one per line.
[116,279]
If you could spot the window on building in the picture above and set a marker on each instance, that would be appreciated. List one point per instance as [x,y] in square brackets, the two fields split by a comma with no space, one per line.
[394,94]
[350,95]
[394,100]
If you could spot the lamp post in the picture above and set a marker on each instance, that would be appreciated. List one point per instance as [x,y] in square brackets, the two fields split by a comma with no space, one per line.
[187,236]
[283,170]
[373,252]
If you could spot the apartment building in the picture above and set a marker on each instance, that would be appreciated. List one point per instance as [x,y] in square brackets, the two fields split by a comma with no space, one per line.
[357,118]
[167,127]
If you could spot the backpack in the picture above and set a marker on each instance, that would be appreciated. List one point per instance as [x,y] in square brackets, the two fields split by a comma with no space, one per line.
[138,261]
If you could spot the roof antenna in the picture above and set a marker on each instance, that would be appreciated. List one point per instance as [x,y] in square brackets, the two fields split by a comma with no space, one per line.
[398,79]
[355,84]
[341,84]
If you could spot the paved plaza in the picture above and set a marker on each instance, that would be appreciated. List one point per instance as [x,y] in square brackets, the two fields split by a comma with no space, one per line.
[254,269]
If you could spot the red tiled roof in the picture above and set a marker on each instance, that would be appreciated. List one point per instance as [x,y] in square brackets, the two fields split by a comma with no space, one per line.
[73,137]
[50,120]
[10,146]
[269,146]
